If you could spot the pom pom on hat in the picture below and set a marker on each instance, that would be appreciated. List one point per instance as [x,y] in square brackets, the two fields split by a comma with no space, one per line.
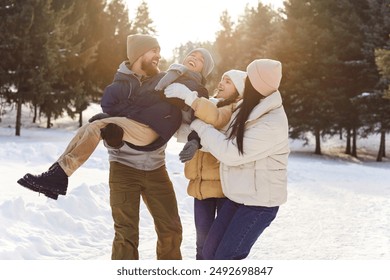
[265,75]
[238,78]
[208,64]
[138,45]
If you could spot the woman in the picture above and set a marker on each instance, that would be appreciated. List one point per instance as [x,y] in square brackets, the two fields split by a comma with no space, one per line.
[203,169]
[253,154]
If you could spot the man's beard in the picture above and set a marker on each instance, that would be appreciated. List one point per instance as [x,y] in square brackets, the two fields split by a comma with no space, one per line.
[149,68]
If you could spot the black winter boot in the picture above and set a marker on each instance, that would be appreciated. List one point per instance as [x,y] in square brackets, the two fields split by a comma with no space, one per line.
[29,185]
[51,183]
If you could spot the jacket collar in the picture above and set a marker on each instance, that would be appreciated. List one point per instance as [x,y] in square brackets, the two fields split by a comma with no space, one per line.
[124,73]
[124,69]
[266,105]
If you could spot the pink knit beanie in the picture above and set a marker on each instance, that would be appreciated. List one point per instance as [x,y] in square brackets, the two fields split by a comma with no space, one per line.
[265,75]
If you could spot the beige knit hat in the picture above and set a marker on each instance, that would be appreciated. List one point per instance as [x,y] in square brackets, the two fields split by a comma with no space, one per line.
[139,44]
[265,75]
[238,78]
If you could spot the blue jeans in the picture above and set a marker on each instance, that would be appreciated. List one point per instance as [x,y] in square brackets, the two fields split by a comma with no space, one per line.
[204,213]
[236,229]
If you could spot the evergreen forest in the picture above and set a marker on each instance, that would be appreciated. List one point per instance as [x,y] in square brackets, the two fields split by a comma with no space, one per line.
[57,57]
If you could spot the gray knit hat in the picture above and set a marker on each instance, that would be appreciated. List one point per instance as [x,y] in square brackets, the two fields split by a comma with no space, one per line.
[208,64]
[139,44]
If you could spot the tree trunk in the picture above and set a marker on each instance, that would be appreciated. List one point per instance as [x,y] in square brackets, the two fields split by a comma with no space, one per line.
[18,124]
[341,134]
[35,113]
[48,124]
[354,148]
[318,143]
[348,147]
[381,152]
[81,119]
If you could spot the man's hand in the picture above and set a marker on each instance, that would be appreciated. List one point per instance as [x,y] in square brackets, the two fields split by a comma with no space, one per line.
[182,92]
[189,150]
[99,117]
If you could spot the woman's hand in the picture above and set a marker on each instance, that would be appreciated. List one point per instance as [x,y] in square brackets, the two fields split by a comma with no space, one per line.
[182,92]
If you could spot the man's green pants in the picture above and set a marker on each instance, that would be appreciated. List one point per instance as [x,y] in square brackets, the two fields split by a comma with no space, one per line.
[127,185]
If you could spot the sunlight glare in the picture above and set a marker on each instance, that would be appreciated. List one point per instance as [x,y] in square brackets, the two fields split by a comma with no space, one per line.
[178,21]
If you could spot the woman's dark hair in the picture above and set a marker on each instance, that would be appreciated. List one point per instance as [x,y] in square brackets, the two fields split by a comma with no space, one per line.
[228,101]
[250,100]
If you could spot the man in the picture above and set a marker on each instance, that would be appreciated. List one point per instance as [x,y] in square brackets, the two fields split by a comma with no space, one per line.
[135,171]
[139,171]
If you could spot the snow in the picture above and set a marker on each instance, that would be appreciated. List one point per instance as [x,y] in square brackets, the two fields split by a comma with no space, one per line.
[338,207]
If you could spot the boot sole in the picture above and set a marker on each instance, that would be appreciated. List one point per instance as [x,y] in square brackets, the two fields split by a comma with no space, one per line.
[23,182]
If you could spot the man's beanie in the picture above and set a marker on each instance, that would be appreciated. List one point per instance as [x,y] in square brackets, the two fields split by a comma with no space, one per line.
[238,78]
[265,75]
[139,44]
[208,64]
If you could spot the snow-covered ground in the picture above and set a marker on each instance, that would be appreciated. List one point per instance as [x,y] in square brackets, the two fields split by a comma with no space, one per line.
[337,209]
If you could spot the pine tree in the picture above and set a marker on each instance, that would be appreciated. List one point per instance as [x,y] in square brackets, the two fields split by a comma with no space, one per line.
[237,45]
[352,78]
[31,28]
[306,47]
[112,47]
[61,50]
[225,46]
[254,31]
[382,59]
[6,45]
[86,28]
[42,46]
[6,8]
[142,23]
[17,21]
[383,99]
[377,44]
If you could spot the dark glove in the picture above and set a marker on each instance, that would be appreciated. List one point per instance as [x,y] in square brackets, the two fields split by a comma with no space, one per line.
[99,117]
[189,150]
[113,135]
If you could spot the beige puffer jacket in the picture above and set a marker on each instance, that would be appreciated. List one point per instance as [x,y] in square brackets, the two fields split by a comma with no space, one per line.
[203,169]
[203,172]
